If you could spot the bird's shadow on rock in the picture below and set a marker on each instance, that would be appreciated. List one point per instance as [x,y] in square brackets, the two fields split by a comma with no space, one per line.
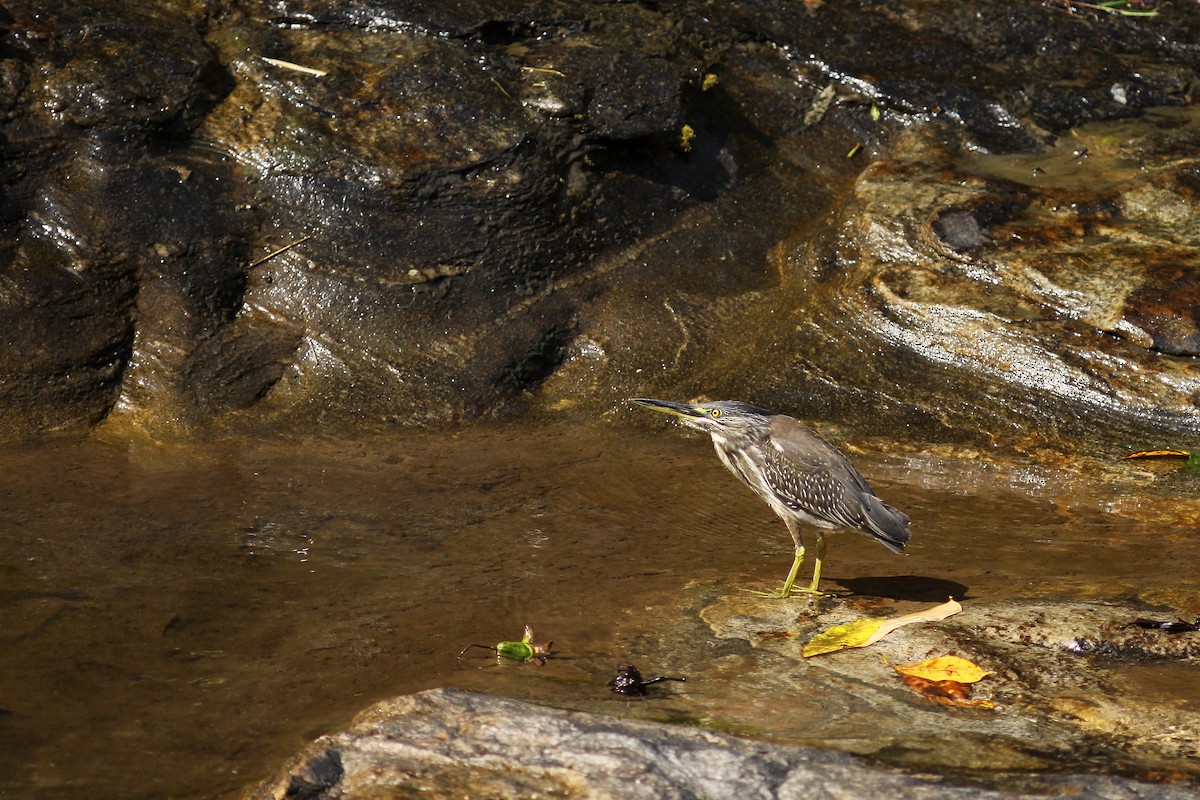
[906,587]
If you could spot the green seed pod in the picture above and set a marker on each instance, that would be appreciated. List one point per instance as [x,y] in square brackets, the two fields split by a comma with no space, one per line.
[514,651]
[523,650]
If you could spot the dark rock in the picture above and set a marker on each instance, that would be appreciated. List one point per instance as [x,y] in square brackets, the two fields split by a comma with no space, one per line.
[1168,313]
[121,70]
[960,229]
[313,779]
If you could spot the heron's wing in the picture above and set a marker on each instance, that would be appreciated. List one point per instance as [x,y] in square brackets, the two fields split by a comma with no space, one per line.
[809,475]
[803,486]
[802,449]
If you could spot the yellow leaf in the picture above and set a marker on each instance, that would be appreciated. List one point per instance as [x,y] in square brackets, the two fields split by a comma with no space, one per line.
[858,633]
[863,632]
[1157,454]
[944,668]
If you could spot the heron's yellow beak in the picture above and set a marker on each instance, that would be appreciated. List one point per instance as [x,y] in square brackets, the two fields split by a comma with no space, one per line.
[685,410]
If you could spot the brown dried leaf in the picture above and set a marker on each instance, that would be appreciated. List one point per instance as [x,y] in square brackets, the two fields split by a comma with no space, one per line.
[945,692]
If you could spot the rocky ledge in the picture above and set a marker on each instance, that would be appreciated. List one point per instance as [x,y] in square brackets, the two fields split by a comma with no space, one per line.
[449,744]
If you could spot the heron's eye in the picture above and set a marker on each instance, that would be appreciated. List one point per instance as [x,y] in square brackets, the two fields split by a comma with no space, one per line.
[714,412]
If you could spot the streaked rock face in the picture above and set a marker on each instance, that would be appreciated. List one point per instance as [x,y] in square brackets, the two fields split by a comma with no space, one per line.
[1036,298]
[557,206]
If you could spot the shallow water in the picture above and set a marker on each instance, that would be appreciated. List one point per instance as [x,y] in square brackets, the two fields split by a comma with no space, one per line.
[177,621]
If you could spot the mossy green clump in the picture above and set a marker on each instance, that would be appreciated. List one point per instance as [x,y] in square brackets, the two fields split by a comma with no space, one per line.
[686,135]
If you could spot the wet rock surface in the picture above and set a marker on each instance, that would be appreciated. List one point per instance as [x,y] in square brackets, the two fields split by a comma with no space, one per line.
[1076,706]
[555,205]
[1068,678]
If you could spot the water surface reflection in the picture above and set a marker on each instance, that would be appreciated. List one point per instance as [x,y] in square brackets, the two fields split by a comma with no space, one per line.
[176,621]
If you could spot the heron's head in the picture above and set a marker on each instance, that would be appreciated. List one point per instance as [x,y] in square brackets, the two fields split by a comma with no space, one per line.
[724,418]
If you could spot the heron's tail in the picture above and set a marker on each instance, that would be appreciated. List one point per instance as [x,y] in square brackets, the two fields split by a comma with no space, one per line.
[889,526]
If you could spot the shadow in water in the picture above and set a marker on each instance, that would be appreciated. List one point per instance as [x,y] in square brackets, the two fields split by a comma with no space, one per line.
[906,587]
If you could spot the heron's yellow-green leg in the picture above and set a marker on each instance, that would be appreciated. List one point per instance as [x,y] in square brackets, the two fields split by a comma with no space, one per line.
[791,579]
[789,584]
[794,530]
[795,570]
[820,557]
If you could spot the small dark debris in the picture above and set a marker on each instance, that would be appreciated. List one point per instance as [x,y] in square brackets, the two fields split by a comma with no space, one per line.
[628,681]
[1167,626]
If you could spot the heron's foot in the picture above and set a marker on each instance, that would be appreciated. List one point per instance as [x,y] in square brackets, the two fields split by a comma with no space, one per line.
[783,594]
